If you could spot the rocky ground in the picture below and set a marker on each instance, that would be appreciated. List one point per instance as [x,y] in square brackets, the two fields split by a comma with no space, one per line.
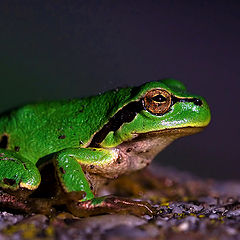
[188,208]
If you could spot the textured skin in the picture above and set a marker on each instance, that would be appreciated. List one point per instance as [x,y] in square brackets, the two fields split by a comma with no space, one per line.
[67,127]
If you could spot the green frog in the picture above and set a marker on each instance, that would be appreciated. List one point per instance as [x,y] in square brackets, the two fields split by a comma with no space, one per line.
[82,143]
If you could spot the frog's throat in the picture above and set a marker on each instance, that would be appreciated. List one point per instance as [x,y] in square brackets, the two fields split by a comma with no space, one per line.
[140,151]
[137,153]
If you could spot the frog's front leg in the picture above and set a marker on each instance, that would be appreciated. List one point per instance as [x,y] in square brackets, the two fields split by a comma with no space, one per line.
[69,163]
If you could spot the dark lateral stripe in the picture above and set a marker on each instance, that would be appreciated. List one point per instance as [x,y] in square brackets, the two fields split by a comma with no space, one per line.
[124,115]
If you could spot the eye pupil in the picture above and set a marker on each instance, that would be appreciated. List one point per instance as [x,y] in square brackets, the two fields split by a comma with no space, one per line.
[159,98]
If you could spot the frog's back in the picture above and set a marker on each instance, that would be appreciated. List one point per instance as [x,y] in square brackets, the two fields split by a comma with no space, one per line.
[36,130]
[31,129]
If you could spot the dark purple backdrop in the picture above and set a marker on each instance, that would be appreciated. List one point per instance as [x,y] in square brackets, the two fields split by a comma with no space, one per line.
[63,49]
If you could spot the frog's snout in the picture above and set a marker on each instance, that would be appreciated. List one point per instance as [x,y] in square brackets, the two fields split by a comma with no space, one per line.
[204,114]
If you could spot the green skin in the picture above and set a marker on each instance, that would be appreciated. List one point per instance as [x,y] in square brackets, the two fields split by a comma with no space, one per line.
[64,130]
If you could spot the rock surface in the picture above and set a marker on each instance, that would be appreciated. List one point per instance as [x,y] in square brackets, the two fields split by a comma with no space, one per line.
[188,208]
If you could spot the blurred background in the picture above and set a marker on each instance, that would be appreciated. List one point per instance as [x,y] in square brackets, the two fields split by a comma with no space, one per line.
[65,49]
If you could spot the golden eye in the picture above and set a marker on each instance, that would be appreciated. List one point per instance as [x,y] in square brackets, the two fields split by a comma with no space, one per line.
[157,101]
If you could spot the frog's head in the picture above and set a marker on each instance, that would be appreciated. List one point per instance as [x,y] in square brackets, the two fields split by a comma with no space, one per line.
[156,114]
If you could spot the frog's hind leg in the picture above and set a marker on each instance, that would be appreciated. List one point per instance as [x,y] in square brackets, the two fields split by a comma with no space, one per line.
[17,172]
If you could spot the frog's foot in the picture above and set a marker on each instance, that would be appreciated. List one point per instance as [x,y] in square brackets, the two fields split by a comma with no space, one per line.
[27,205]
[110,204]
[13,202]
[17,172]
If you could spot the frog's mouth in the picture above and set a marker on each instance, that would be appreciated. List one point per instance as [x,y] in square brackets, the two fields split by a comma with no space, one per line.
[173,132]
[140,151]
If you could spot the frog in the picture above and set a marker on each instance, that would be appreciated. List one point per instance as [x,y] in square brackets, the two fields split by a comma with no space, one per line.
[77,145]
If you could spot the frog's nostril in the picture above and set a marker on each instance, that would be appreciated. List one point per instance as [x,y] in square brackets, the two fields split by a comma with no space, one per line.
[197,102]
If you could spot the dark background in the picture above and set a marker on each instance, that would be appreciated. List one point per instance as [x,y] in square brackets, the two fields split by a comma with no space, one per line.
[64,49]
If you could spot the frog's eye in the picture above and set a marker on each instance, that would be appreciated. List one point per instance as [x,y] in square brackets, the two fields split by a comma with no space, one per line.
[157,101]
